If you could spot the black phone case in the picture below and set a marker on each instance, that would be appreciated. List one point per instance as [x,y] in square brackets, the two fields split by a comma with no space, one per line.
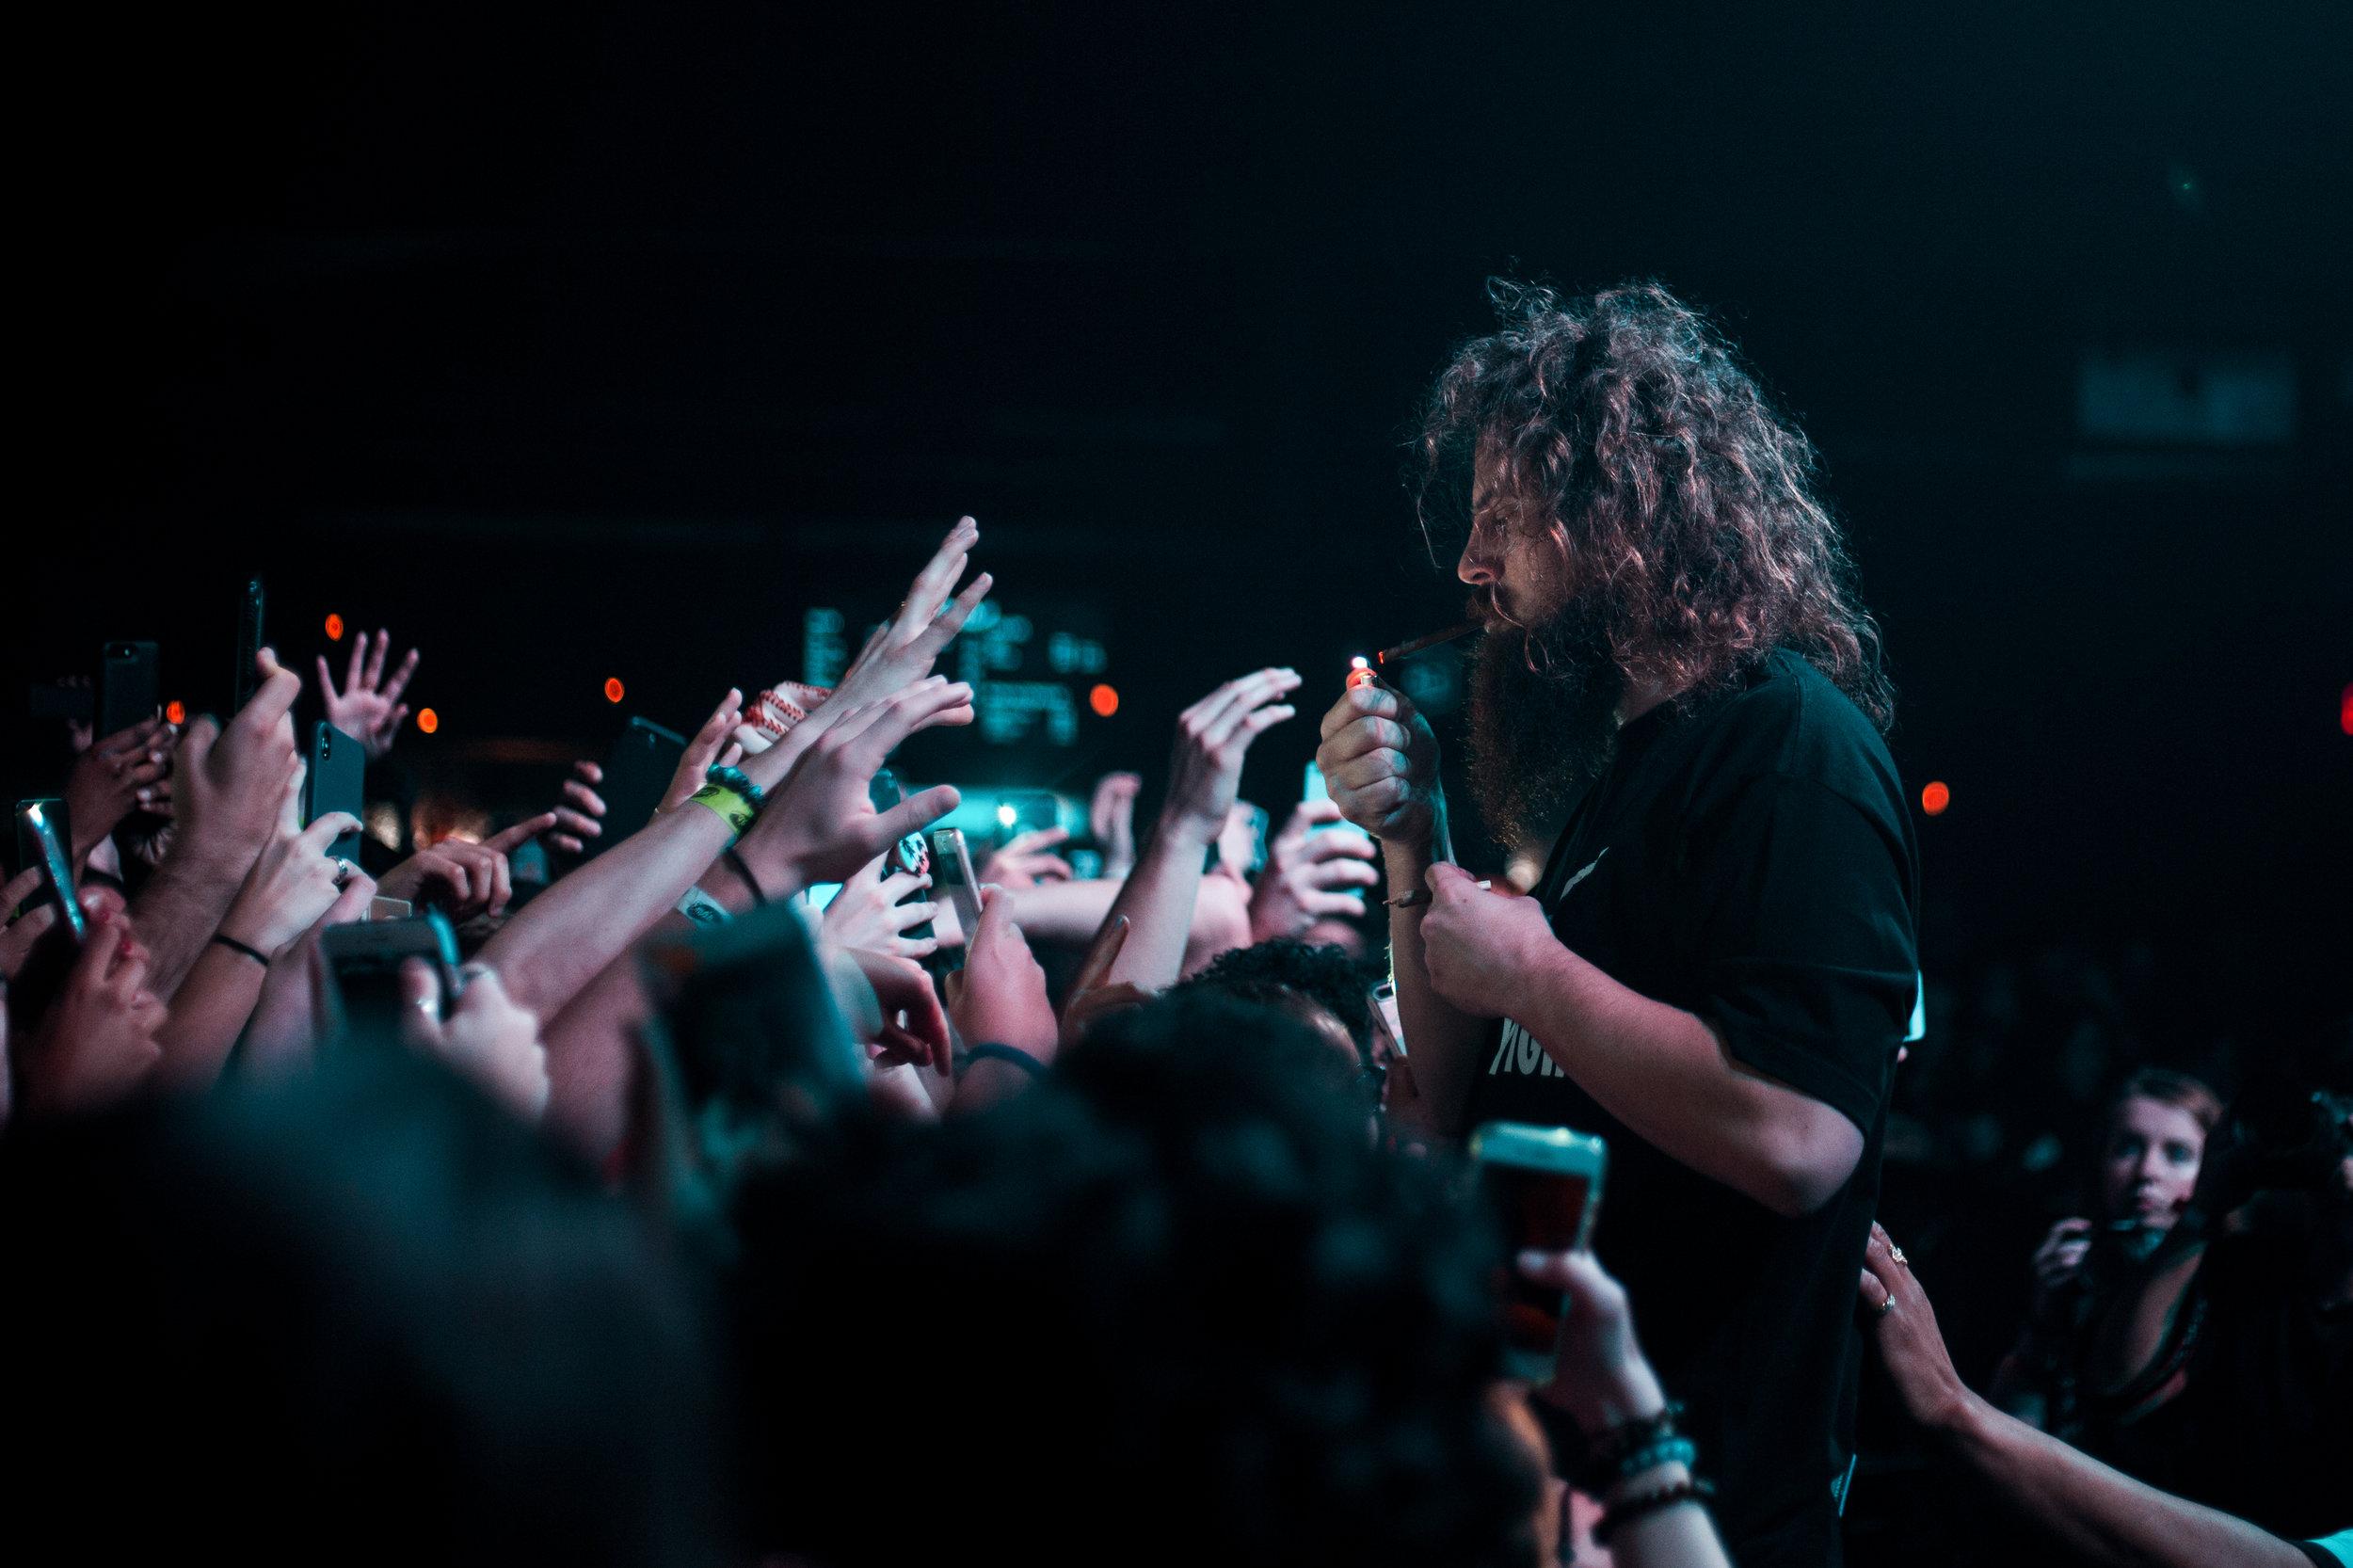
[337,781]
[636,771]
[252,639]
[127,687]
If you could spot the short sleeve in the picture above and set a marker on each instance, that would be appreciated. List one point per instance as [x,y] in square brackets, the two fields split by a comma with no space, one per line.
[1804,937]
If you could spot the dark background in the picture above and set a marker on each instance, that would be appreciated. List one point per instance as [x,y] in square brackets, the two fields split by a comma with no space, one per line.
[600,340]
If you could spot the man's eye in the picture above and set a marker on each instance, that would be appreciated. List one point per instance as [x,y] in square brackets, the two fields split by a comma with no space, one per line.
[2180,1153]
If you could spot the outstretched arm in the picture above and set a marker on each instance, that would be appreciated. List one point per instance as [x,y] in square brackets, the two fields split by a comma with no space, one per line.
[2103,1516]
[1212,737]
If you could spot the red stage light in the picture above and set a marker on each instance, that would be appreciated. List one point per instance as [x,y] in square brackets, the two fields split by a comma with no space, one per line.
[427,720]
[334,628]
[2345,709]
[1935,797]
[614,689]
[1104,699]
[175,712]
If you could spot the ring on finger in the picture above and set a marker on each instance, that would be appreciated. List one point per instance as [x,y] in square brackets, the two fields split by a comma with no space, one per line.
[1898,1253]
[1887,1304]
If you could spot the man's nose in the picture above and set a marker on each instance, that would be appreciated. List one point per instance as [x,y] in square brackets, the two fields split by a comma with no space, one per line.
[1474,568]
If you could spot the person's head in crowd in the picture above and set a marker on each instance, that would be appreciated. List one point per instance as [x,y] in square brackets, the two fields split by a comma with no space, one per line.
[1640,520]
[2151,1148]
[1319,987]
[363,1316]
[1167,1303]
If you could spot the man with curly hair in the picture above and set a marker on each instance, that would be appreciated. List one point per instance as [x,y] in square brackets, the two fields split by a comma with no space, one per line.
[1678,687]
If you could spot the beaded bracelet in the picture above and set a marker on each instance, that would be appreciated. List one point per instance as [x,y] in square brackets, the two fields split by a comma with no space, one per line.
[1666,1450]
[739,781]
[1604,1454]
[1621,1514]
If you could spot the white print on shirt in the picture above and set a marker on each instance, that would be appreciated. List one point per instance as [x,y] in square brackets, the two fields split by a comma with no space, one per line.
[1517,1052]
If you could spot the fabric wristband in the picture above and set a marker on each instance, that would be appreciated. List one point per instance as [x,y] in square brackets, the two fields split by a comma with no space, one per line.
[703,908]
[235,946]
[731,808]
[1014,1054]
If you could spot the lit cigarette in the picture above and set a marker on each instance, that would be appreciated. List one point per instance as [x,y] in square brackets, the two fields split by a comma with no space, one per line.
[1405,650]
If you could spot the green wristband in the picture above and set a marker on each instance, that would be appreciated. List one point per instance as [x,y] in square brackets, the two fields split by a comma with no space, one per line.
[732,808]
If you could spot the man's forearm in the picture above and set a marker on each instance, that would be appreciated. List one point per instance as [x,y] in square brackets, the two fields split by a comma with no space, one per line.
[175,915]
[559,941]
[1441,1041]
[210,1011]
[1665,1074]
[2104,1516]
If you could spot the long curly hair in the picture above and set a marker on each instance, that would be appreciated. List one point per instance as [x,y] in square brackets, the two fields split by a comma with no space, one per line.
[1625,428]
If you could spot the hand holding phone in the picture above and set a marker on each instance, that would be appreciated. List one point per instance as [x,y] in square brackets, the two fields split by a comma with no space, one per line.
[250,641]
[951,875]
[336,782]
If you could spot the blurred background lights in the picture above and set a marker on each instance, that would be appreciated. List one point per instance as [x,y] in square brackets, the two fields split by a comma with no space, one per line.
[1104,699]
[1934,797]
[614,689]
[176,711]
[427,720]
[334,627]
[2344,709]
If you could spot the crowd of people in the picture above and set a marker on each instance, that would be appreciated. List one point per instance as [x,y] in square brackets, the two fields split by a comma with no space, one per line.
[483,1199]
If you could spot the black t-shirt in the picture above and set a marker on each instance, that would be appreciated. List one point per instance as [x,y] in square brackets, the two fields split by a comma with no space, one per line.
[1752,862]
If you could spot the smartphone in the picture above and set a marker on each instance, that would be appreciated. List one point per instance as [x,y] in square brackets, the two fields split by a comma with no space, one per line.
[638,771]
[1026,811]
[908,855]
[127,687]
[43,838]
[250,644]
[1384,1019]
[951,874]
[336,780]
[362,960]
[1314,787]
[1543,1184]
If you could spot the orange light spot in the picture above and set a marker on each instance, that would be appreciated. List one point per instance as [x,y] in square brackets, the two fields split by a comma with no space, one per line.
[1935,797]
[2345,709]
[427,720]
[175,712]
[614,689]
[334,628]
[1104,699]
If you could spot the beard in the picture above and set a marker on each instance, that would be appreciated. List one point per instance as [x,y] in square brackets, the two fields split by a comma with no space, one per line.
[1543,719]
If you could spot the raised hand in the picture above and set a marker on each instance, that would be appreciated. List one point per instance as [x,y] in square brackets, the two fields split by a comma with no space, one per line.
[1310,876]
[97,1042]
[1602,1379]
[999,996]
[1112,818]
[489,1037]
[710,748]
[1026,859]
[820,824]
[2058,1264]
[126,772]
[292,883]
[1380,759]
[867,914]
[368,708]
[24,930]
[902,648]
[580,811]
[464,879]
[914,1031]
[1213,738]
[230,780]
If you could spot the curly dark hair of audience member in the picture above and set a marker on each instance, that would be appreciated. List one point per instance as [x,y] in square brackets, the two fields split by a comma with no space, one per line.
[1628,430]
[1285,971]
[361,1318]
[1167,1306]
